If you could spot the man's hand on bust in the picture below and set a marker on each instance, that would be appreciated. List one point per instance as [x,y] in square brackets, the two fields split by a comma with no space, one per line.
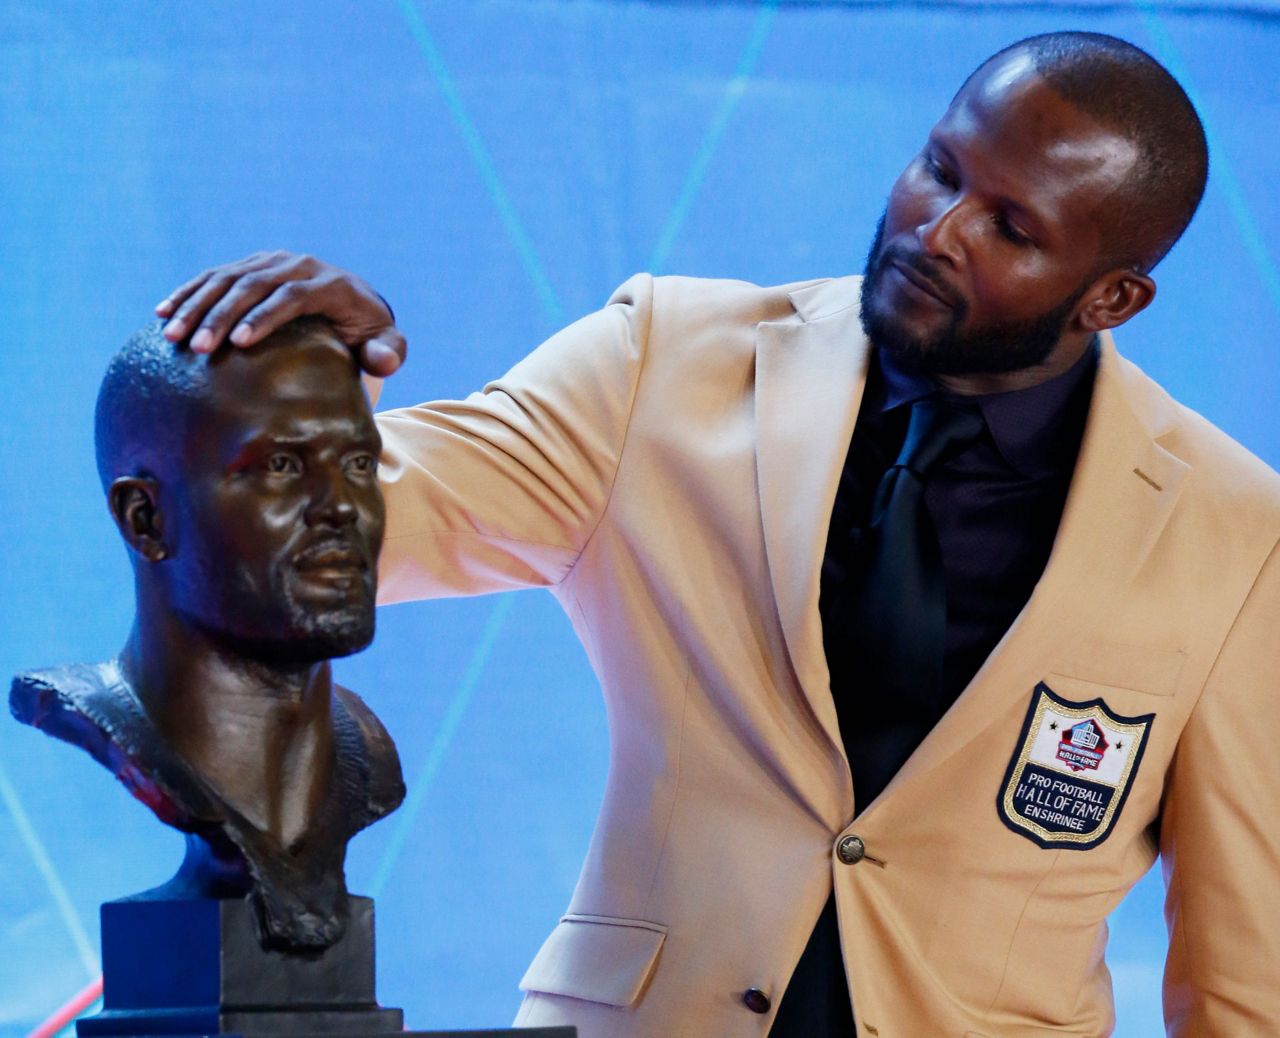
[251,298]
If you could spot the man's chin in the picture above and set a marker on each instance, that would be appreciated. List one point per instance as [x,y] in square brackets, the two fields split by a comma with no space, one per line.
[950,349]
[912,358]
[934,361]
[950,353]
[911,352]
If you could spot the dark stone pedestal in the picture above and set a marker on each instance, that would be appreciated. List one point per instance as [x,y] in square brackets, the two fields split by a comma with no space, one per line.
[184,968]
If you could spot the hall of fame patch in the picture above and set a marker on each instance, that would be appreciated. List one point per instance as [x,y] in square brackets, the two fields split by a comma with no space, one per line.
[1071,771]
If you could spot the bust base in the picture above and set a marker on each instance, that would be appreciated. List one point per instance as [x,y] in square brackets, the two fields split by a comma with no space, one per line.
[189,968]
[307,1031]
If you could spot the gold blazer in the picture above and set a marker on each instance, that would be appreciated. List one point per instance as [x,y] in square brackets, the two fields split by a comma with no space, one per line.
[667,466]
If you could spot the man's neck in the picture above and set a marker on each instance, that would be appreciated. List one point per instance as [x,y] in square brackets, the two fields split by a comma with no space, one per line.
[258,732]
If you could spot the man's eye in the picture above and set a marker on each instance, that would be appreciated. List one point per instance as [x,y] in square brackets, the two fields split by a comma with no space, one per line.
[1009,231]
[941,175]
[283,465]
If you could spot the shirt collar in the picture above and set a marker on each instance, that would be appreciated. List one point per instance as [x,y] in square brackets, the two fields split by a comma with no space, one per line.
[1036,430]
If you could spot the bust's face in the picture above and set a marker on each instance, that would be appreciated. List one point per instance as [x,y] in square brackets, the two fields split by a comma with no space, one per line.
[275,514]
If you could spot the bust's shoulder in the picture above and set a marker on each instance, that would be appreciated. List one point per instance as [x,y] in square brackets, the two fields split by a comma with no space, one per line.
[354,710]
[94,690]
[92,706]
[358,726]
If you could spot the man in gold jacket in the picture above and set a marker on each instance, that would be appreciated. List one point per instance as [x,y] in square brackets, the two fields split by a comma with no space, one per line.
[668,467]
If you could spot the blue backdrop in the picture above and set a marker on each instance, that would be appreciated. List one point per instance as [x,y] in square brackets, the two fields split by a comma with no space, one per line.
[494,167]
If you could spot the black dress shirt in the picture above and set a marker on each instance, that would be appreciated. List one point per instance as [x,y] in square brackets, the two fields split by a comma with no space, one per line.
[996,508]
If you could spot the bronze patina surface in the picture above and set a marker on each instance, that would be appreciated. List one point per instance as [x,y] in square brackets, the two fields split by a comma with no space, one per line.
[244,484]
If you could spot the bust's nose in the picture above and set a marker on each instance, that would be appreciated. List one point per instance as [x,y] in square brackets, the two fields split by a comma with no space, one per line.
[331,499]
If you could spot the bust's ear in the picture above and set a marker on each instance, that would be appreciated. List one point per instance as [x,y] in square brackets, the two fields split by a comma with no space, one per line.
[135,505]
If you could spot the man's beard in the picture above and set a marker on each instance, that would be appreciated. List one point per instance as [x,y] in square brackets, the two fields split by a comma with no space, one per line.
[997,348]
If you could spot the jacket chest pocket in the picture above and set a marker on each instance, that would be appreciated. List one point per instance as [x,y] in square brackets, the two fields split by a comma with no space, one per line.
[1099,667]
[602,959]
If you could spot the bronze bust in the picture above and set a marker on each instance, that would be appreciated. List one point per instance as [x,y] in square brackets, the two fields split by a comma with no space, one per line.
[244,485]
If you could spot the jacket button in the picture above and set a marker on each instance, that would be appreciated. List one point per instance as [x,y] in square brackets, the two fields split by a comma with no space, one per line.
[851,850]
[756,1000]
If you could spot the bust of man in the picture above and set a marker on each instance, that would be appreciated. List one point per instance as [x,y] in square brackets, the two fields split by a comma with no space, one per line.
[244,485]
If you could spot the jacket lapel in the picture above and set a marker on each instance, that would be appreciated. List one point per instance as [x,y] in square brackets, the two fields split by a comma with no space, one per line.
[1122,492]
[810,373]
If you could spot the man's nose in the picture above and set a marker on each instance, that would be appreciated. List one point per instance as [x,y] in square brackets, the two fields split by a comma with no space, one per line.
[941,237]
[331,499]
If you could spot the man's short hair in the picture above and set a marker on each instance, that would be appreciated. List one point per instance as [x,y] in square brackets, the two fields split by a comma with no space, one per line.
[1127,91]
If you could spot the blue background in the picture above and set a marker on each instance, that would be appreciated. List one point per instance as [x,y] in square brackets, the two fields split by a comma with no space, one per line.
[494,167]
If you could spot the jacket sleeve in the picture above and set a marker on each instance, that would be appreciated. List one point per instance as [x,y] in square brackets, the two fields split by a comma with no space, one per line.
[1220,837]
[504,489]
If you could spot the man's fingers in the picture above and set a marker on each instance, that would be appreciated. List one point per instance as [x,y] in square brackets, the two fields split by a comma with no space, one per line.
[167,306]
[242,313]
[248,300]
[186,306]
[287,301]
[193,309]
[384,353]
[174,299]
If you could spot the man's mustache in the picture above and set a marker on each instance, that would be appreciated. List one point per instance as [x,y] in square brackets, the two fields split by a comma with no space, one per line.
[925,269]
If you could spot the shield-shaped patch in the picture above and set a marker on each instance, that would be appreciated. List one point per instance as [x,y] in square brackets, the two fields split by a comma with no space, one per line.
[1071,771]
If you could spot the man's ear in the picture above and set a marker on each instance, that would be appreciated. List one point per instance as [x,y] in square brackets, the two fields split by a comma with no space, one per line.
[1114,298]
[135,505]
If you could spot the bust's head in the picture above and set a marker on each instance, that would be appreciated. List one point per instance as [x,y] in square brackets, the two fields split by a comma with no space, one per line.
[244,484]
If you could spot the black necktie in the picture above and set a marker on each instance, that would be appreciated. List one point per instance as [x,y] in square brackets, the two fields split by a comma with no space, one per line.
[893,608]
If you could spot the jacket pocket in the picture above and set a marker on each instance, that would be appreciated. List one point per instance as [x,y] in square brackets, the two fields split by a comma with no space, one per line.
[1129,667]
[598,958]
